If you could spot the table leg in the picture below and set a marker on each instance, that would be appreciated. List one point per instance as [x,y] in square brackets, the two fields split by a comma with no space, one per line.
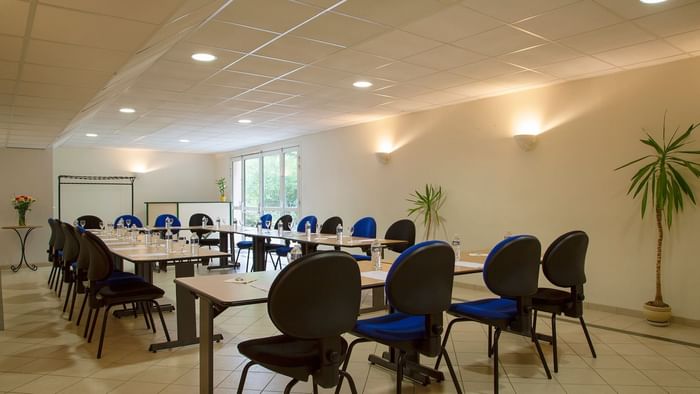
[206,346]
[378,301]
[23,258]
[259,263]
[224,239]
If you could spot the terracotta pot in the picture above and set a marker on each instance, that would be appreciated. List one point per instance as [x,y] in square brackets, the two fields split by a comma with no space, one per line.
[657,315]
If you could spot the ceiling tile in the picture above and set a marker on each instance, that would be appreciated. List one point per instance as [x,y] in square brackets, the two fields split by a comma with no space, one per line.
[155,12]
[353,61]
[264,96]
[442,97]
[298,50]
[397,44]
[607,38]
[64,76]
[237,79]
[183,51]
[291,87]
[570,20]
[515,10]
[11,48]
[185,71]
[675,21]
[8,70]
[404,90]
[54,91]
[276,15]
[339,29]
[400,71]
[636,9]
[263,66]
[318,75]
[576,67]
[656,61]
[441,80]
[42,102]
[451,24]
[385,11]
[486,69]
[220,34]
[444,57]
[65,55]
[7,86]
[689,42]
[538,56]
[499,41]
[639,53]
[79,28]
[152,80]
[13,17]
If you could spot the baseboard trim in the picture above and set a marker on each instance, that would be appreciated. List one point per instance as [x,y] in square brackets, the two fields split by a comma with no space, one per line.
[603,308]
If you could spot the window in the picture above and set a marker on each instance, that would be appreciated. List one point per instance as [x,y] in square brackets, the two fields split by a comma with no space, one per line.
[266,182]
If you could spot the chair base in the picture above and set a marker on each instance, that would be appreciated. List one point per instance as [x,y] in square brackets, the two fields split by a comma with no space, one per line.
[412,371]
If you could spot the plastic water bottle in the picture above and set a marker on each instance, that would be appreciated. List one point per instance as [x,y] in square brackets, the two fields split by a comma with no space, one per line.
[457,246]
[318,229]
[339,232]
[307,229]
[205,221]
[147,238]
[194,244]
[377,254]
[295,253]
[280,228]
[120,227]
[218,222]
[134,234]
[235,224]
[258,227]
[168,240]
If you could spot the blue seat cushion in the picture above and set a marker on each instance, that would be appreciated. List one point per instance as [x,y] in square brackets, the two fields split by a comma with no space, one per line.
[125,288]
[361,257]
[245,244]
[119,276]
[487,309]
[394,327]
[283,251]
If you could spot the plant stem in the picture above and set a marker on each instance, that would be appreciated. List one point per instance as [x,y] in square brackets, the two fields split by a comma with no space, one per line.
[658,299]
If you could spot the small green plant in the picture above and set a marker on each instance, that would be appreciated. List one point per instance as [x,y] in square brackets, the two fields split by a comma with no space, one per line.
[661,182]
[426,207]
[221,183]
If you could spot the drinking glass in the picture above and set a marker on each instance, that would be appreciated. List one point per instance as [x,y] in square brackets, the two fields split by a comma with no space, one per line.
[352,231]
[183,243]
[128,223]
[110,228]
[102,226]
[267,224]
[318,229]
[82,223]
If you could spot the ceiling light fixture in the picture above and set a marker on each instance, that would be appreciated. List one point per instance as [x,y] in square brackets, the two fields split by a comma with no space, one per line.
[652,1]
[91,135]
[362,84]
[127,110]
[184,141]
[203,57]
[245,121]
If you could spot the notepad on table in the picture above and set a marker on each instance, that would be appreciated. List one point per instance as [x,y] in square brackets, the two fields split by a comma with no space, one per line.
[377,275]
[240,280]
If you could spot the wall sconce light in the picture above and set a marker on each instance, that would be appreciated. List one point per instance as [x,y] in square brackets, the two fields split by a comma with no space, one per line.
[526,142]
[383,157]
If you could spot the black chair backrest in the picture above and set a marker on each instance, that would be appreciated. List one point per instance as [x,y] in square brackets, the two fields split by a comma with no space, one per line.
[196,220]
[512,267]
[286,221]
[420,280]
[564,261]
[52,239]
[84,255]
[91,222]
[71,246]
[403,229]
[329,226]
[316,296]
[60,239]
[101,266]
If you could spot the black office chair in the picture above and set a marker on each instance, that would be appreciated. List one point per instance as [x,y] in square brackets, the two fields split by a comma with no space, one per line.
[510,271]
[563,265]
[248,244]
[404,230]
[312,302]
[203,235]
[91,222]
[106,293]
[419,290]
[71,250]
[329,226]
[50,252]
[57,253]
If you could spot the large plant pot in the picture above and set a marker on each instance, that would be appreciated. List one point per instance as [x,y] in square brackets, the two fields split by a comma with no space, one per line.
[657,315]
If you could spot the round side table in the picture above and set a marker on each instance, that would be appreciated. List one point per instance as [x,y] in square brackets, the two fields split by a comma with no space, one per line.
[23,244]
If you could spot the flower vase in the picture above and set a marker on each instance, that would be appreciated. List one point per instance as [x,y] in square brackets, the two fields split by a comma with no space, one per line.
[222,198]
[22,220]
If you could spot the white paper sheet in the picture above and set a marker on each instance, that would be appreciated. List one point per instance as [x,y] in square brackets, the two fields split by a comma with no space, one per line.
[478,254]
[240,280]
[261,285]
[378,275]
[469,264]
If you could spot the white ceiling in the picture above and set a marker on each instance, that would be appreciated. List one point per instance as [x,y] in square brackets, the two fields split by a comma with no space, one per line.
[67,66]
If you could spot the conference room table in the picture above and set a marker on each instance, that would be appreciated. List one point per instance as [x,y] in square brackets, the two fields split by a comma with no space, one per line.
[217,293]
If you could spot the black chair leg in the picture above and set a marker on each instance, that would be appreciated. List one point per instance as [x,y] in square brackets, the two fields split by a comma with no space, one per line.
[68,294]
[145,315]
[588,337]
[452,370]
[351,382]
[539,352]
[347,361]
[315,388]
[247,259]
[444,340]
[494,349]
[147,309]
[288,388]
[400,361]
[554,342]
[51,274]
[102,333]
[534,320]
[244,374]
[94,323]
[490,343]
[87,322]
[72,304]
[162,320]
[82,308]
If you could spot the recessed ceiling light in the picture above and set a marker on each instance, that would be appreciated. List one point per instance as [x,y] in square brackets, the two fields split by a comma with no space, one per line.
[184,140]
[652,1]
[245,121]
[91,135]
[203,57]
[127,110]
[362,84]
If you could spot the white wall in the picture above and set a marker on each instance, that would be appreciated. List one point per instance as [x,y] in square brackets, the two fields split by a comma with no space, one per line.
[160,176]
[25,171]
[493,187]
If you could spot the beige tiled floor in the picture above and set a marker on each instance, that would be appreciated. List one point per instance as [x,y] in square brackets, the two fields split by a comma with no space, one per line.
[42,352]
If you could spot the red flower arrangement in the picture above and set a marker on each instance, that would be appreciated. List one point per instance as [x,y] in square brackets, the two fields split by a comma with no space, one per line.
[22,204]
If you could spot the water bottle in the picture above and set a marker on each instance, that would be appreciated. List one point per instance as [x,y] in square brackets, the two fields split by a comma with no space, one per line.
[457,246]
[194,244]
[258,227]
[168,240]
[147,238]
[318,229]
[134,234]
[218,222]
[235,224]
[339,232]
[280,228]
[120,227]
[307,229]
[295,253]
[205,221]
[377,254]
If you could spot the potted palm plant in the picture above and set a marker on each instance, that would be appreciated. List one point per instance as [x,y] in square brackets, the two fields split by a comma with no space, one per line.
[662,182]
[426,207]
[221,184]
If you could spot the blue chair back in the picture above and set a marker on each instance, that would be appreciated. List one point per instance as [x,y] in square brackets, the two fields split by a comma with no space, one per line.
[160,220]
[512,267]
[134,220]
[365,227]
[420,280]
[264,219]
[301,227]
